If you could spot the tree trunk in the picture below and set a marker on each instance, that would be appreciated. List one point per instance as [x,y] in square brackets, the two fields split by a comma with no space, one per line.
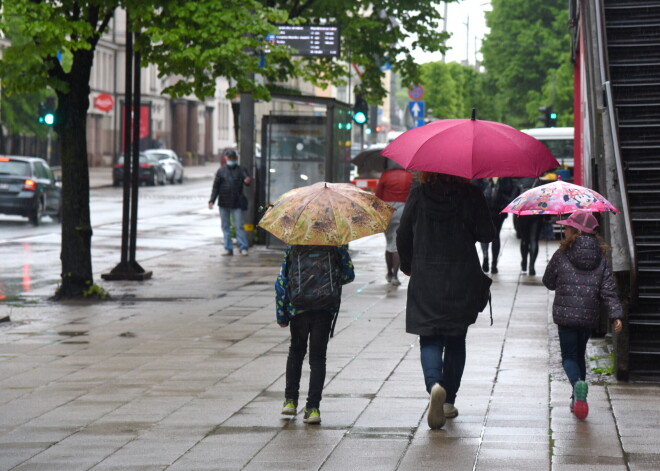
[71,120]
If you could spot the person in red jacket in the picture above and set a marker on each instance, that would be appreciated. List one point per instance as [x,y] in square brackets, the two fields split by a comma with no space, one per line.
[393,188]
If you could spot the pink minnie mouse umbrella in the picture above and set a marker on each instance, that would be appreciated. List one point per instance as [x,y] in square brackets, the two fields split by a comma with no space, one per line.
[558,198]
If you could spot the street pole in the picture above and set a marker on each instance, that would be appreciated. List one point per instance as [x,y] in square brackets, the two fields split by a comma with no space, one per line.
[246,157]
[373,119]
[49,144]
[361,137]
[128,268]
[467,41]
[444,30]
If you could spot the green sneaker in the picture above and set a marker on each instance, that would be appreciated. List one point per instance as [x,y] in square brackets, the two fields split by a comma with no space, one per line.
[581,407]
[312,416]
[290,407]
[581,390]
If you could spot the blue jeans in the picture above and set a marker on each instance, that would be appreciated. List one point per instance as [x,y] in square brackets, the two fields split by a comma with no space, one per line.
[573,344]
[237,217]
[443,362]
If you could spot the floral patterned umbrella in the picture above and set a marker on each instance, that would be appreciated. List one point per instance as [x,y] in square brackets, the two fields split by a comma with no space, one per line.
[558,197]
[326,214]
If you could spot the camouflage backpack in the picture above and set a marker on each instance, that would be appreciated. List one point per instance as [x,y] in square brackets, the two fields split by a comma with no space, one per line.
[314,277]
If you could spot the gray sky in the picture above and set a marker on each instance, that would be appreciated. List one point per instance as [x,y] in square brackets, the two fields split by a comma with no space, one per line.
[457,17]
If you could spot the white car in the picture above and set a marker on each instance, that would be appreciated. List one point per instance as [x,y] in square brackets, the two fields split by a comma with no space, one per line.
[170,162]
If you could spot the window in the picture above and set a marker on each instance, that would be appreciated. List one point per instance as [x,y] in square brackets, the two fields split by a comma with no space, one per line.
[14,167]
[224,120]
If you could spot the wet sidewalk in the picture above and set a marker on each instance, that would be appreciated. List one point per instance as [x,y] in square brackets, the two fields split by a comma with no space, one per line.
[186,372]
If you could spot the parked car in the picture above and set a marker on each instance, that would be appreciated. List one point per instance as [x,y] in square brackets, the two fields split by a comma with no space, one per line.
[152,172]
[171,162]
[28,188]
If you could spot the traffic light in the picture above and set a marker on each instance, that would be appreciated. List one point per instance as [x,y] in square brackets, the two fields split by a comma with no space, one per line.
[360,111]
[47,111]
[549,116]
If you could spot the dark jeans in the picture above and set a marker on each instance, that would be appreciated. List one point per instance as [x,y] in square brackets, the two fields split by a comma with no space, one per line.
[443,362]
[498,221]
[530,228]
[573,344]
[315,326]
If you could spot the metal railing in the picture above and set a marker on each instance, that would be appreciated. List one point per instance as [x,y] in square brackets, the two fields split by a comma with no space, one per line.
[614,137]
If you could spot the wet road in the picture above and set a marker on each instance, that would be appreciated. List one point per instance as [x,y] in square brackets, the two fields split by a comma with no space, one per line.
[170,218]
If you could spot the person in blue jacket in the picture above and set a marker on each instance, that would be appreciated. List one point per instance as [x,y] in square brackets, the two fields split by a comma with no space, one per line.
[314,326]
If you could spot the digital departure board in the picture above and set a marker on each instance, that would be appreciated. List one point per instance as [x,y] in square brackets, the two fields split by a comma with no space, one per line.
[309,40]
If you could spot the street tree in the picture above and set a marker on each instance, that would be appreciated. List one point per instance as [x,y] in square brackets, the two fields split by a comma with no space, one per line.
[452,90]
[53,45]
[527,56]
[376,34]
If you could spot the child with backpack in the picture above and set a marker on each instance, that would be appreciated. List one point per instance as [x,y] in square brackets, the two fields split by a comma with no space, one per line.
[582,279]
[307,296]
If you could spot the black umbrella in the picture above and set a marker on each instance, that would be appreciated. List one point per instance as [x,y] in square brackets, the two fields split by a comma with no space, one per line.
[370,163]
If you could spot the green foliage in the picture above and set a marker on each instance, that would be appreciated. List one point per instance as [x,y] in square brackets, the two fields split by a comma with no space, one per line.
[373,32]
[19,114]
[605,364]
[452,90]
[38,32]
[95,291]
[527,58]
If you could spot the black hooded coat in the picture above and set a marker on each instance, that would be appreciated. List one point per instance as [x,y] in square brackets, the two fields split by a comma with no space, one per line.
[436,242]
[582,281]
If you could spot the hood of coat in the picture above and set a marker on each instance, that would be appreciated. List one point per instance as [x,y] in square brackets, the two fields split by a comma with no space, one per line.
[585,253]
[442,200]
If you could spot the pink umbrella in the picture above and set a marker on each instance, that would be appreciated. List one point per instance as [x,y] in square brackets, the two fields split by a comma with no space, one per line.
[558,198]
[471,148]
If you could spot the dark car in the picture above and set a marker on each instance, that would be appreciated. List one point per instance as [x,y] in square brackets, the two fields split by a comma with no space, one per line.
[152,171]
[28,188]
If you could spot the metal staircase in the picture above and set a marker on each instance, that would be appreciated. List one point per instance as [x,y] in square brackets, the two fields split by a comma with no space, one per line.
[633,47]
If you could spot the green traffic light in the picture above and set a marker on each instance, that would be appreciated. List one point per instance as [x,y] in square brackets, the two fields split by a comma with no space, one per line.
[553,115]
[360,117]
[49,119]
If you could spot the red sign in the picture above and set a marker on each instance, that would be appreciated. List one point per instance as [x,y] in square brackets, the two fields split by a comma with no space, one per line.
[104,102]
[416,92]
[145,124]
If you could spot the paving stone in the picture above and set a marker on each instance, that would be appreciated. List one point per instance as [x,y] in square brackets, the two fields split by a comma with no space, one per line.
[197,383]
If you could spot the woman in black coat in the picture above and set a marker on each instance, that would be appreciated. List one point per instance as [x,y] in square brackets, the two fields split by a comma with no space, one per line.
[444,218]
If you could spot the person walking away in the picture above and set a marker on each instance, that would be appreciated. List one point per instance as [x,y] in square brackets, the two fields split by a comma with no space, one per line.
[443,219]
[529,228]
[307,299]
[498,193]
[228,190]
[581,277]
[393,188]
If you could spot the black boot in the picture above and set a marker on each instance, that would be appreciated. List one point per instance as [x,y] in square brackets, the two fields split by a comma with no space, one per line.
[484,266]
